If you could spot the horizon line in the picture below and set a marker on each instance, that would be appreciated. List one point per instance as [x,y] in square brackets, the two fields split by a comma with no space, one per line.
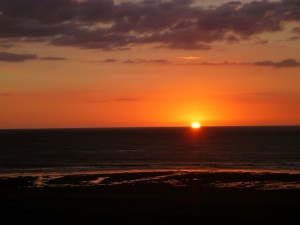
[142,127]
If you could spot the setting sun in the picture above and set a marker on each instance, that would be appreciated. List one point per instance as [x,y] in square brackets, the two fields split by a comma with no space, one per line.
[195,125]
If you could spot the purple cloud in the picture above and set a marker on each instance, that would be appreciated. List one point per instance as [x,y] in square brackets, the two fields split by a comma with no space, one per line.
[137,61]
[279,64]
[221,63]
[6,46]
[13,57]
[110,61]
[53,58]
[296,30]
[106,25]
[294,38]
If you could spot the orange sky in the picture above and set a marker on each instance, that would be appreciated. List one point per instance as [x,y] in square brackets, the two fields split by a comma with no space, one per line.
[218,72]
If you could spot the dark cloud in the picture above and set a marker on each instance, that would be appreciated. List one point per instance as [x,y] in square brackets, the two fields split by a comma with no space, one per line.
[6,46]
[106,25]
[45,11]
[232,38]
[294,38]
[220,63]
[13,57]
[103,61]
[159,61]
[110,61]
[260,41]
[6,94]
[279,64]
[296,30]
[126,99]
[130,61]
[54,58]
[283,63]
[95,10]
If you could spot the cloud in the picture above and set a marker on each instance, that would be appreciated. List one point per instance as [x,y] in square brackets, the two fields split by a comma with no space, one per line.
[109,25]
[101,61]
[126,99]
[137,61]
[6,46]
[14,57]
[197,61]
[5,94]
[110,61]
[296,30]
[279,64]
[54,58]
[260,41]
[218,63]
[294,38]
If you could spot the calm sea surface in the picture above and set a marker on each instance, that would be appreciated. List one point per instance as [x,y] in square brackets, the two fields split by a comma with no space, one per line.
[71,150]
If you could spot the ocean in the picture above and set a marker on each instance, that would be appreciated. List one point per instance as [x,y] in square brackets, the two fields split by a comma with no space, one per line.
[126,149]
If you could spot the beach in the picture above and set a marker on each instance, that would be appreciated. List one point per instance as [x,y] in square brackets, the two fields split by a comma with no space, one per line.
[151,197]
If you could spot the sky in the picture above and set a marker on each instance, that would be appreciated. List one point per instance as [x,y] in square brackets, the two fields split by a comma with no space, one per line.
[149,63]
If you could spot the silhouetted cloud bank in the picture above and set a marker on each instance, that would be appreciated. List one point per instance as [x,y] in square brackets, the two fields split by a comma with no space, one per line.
[283,63]
[13,57]
[107,25]
[53,58]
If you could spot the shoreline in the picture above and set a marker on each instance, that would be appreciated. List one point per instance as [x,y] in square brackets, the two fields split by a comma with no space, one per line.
[239,179]
[124,171]
[165,197]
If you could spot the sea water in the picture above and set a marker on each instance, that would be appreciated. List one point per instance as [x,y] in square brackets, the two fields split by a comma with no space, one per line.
[113,149]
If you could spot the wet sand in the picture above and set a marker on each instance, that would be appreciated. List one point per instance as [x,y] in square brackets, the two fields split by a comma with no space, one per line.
[165,197]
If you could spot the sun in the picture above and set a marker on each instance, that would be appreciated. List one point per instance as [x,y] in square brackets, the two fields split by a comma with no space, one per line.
[195,125]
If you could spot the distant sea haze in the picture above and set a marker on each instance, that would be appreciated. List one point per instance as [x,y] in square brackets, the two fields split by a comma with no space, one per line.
[113,149]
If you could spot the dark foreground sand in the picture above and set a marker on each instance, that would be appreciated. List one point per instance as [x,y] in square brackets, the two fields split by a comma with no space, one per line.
[151,198]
